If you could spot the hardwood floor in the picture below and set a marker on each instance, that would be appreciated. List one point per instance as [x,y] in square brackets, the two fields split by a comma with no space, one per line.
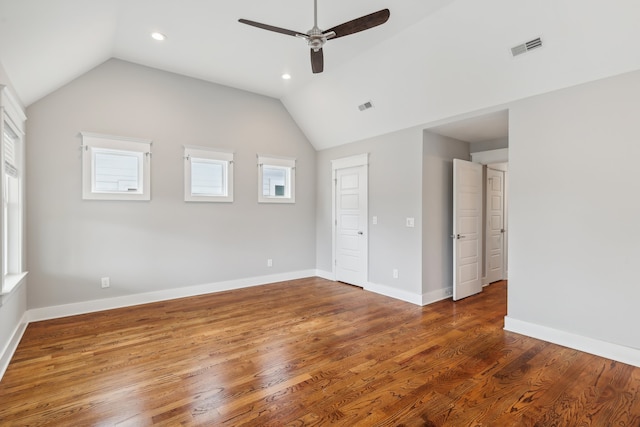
[308,352]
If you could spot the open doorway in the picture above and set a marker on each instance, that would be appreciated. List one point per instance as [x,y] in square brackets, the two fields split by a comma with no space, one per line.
[495,219]
[488,136]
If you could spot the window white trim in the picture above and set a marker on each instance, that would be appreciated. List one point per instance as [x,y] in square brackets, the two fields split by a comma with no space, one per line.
[94,144]
[12,110]
[11,281]
[12,132]
[208,155]
[288,186]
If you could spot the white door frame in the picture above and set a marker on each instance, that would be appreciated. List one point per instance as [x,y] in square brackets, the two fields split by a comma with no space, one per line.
[501,169]
[493,157]
[337,164]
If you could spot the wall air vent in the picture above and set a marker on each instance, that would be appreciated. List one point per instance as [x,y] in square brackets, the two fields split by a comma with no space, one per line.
[526,47]
[365,106]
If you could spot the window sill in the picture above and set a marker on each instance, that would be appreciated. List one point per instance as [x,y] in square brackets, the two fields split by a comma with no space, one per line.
[11,282]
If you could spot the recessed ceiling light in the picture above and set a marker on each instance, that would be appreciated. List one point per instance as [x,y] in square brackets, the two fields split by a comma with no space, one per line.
[158,36]
[286,76]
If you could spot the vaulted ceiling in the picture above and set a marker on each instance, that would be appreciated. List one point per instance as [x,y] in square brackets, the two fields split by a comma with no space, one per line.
[434,61]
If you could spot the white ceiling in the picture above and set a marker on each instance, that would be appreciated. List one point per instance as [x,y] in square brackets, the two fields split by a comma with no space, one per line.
[485,127]
[433,59]
[46,43]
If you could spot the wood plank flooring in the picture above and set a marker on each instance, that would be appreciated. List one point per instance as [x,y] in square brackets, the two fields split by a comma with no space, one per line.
[308,352]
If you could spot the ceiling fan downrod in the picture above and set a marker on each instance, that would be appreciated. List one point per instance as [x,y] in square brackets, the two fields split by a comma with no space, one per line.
[315,37]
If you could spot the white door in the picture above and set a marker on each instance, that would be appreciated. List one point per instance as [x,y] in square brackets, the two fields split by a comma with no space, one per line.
[351,233]
[495,226]
[467,229]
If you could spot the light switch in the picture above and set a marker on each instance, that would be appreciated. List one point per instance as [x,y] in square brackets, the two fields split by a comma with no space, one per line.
[411,222]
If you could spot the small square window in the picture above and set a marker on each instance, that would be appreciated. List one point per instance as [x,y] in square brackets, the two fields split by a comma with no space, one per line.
[276,178]
[115,168]
[116,171]
[208,175]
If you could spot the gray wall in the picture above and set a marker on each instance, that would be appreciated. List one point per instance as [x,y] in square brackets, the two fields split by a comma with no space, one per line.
[574,210]
[165,243]
[395,193]
[437,209]
[410,175]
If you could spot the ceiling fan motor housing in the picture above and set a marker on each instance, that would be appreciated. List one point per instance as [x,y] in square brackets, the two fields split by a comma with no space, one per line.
[316,38]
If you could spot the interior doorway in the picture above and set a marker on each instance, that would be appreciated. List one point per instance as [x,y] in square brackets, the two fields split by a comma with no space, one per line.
[487,133]
[350,213]
[496,214]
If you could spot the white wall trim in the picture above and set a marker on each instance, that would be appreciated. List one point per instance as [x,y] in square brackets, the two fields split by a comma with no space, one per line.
[12,345]
[604,349]
[417,299]
[394,293]
[46,313]
[349,162]
[492,156]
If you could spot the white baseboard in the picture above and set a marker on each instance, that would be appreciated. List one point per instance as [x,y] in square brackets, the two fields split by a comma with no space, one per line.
[388,291]
[380,289]
[394,293]
[12,345]
[628,355]
[417,299]
[46,313]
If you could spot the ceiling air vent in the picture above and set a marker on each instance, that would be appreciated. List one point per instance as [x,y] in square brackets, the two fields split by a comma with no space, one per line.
[365,106]
[526,47]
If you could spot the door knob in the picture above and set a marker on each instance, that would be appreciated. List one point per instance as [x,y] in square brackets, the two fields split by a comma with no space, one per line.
[360,233]
[457,236]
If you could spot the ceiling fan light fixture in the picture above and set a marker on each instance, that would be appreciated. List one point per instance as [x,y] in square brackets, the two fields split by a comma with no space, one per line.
[158,36]
[316,38]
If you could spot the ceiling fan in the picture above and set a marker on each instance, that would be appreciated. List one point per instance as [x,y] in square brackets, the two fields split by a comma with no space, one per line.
[316,38]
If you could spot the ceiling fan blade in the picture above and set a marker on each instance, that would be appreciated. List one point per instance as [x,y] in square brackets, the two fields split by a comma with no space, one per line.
[317,61]
[272,28]
[360,24]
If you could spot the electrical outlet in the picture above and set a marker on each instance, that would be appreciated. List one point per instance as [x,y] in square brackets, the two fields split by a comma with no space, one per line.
[269,262]
[104,282]
[375,220]
[395,273]
[448,292]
